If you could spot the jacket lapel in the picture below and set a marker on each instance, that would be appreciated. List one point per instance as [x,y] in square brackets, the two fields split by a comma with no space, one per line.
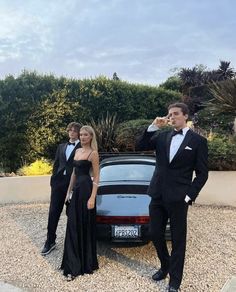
[168,141]
[185,142]
[73,152]
[64,151]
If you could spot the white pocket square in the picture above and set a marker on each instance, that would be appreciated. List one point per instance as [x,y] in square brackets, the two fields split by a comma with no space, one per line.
[188,148]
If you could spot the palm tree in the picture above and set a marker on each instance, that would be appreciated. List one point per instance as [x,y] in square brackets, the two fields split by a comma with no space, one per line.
[191,78]
[105,129]
[224,71]
[210,76]
[224,100]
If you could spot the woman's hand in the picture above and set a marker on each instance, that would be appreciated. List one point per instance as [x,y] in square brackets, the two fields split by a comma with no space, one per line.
[67,201]
[91,203]
[68,197]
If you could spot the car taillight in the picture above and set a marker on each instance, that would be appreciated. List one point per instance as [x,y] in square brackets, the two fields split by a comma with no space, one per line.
[123,219]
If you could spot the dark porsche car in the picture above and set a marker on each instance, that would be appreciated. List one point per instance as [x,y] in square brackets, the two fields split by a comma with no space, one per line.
[122,200]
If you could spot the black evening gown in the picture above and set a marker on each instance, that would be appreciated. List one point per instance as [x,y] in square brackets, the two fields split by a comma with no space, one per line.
[80,254]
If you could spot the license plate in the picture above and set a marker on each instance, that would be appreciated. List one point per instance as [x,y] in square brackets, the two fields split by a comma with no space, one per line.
[131,231]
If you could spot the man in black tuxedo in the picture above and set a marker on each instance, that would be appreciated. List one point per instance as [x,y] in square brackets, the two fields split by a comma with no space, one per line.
[179,153]
[60,179]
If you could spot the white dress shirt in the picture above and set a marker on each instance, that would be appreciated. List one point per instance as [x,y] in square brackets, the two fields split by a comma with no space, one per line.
[176,141]
[70,148]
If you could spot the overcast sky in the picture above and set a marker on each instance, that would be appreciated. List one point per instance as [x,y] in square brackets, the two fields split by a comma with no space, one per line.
[141,40]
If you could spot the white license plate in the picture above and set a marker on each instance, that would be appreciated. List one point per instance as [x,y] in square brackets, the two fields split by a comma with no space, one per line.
[126,231]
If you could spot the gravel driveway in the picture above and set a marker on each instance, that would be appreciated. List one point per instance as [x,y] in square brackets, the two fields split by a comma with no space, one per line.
[210,257]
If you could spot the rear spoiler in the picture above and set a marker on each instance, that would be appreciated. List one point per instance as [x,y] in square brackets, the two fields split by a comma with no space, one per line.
[131,188]
[103,155]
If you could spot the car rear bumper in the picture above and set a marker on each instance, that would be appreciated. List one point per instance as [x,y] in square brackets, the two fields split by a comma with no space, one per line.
[104,232]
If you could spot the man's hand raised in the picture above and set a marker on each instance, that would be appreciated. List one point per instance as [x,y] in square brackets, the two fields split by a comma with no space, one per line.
[160,121]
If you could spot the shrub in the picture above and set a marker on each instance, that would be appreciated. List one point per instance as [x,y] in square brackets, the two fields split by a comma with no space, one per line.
[222,148]
[220,123]
[128,132]
[41,106]
[222,152]
[105,130]
[39,167]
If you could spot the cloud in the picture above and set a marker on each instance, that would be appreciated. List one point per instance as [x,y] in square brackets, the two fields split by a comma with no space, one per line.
[140,40]
[22,35]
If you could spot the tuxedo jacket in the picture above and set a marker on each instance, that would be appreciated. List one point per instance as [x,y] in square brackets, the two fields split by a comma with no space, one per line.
[61,164]
[172,181]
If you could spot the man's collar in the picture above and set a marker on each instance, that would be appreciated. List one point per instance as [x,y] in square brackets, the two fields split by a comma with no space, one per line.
[76,141]
[185,130]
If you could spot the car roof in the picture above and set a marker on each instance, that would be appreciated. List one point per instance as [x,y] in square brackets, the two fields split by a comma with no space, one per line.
[127,157]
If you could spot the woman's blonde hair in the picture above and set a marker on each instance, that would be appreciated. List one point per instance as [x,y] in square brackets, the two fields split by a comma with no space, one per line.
[90,130]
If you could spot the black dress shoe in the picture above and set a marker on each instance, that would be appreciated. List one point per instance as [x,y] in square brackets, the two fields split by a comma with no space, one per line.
[69,278]
[48,247]
[172,289]
[159,275]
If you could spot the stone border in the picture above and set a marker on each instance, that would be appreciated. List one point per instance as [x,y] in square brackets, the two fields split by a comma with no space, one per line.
[230,285]
[219,189]
[9,288]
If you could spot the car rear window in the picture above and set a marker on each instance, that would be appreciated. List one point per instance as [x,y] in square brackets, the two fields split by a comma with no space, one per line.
[126,172]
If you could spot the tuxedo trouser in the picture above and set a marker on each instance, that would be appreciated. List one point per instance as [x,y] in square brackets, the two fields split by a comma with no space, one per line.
[172,263]
[58,195]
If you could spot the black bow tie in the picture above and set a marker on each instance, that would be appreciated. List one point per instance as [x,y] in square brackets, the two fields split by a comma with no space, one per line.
[177,132]
[70,143]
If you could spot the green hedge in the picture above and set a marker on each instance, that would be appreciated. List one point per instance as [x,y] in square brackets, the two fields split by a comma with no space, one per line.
[35,109]
[222,152]
[218,123]
[127,133]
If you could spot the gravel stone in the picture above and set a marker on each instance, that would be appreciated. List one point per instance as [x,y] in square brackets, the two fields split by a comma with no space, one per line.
[210,256]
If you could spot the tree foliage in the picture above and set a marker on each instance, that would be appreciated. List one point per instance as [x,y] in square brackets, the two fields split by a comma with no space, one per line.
[224,100]
[19,97]
[105,130]
[196,81]
[172,83]
[35,109]
[222,152]
[128,132]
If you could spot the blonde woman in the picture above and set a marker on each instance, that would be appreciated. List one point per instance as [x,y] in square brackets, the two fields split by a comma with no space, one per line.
[80,255]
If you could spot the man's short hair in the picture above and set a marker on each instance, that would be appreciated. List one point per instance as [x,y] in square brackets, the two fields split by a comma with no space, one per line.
[181,105]
[74,125]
